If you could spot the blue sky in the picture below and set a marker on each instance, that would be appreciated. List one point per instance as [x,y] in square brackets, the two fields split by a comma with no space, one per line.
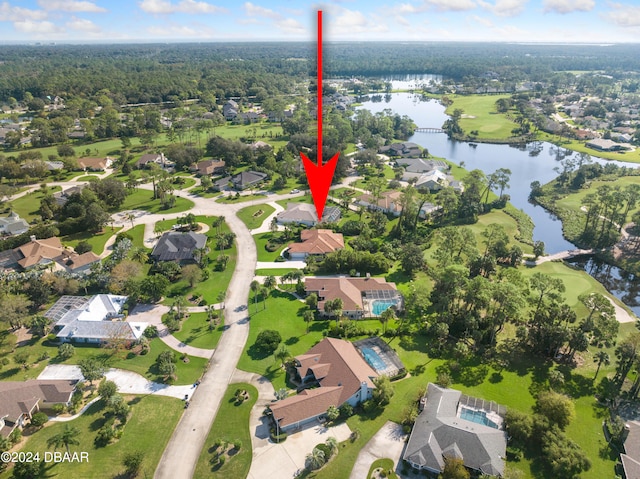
[107,21]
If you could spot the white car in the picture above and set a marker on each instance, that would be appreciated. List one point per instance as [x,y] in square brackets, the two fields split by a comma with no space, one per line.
[295,190]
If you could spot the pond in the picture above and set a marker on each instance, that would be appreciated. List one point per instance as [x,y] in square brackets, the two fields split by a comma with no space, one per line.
[534,162]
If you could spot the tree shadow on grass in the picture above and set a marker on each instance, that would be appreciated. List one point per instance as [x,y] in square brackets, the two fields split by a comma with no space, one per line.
[292,340]
[9,373]
[256,353]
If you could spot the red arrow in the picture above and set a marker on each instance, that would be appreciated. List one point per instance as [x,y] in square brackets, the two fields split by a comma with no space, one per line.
[319,176]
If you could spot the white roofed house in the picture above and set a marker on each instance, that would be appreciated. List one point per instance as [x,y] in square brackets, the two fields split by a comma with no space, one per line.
[13,225]
[92,319]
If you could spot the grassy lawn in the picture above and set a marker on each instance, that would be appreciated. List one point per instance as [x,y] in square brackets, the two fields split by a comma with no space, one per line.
[97,240]
[226,198]
[231,424]
[195,332]
[480,114]
[273,271]
[218,281]
[137,233]
[148,429]
[261,241]
[87,178]
[497,217]
[28,205]
[187,373]
[143,200]
[253,216]
[573,201]
[575,145]
[386,464]
[188,182]
[284,314]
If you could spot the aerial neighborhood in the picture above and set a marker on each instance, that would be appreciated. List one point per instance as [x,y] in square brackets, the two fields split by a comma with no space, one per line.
[465,307]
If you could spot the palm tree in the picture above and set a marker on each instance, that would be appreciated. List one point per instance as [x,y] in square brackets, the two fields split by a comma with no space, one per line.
[386,316]
[221,297]
[280,394]
[308,317]
[255,286]
[602,357]
[332,443]
[211,315]
[140,255]
[315,458]
[282,354]
[65,438]
[130,217]
[270,282]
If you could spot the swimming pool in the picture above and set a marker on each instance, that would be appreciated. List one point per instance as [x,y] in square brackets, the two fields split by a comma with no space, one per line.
[380,305]
[374,360]
[479,417]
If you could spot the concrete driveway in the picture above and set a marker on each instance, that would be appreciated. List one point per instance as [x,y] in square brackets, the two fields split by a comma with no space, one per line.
[128,382]
[388,442]
[283,460]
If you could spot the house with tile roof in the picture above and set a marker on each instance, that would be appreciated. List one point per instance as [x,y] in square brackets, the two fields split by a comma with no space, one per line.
[361,297]
[337,373]
[209,167]
[248,179]
[13,225]
[95,164]
[315,243]
[390,203]
[453,425]
[177,246]
[19,400]
[305,214]
[39,253]
[92,319]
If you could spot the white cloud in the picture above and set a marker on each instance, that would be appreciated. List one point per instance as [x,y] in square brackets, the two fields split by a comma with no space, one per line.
[451,5]
[258,11]
[483,21]
[409,8]
[37,28]
[505,8]
[624,15]
[291,26]
[83,25]
[344,23]
[180,31]
[568,6]
[184,6]
[71,6]
[402,21]
[9,13]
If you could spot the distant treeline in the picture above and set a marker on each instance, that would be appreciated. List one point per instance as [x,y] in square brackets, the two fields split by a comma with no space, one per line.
[143,73]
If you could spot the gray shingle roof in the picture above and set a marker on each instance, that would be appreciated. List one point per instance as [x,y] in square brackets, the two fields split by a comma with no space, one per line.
[176,246]
[439,432]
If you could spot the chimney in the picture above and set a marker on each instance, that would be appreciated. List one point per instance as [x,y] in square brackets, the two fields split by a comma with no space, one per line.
[363,391]
[32,237]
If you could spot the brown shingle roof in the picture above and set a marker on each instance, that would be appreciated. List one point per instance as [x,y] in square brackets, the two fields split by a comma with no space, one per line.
[209,167]
[93,163]
[18,398]
[389,201]
[318,242]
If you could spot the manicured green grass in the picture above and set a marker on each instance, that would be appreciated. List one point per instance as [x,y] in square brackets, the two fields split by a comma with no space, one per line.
[497,217]
[188,182]
[97,240]
[273,271]
[253,216]
[230,199]
[284,314]
[187,373]
[231,424]
[87,178]
[386,464]
[143,200]
[488,123]
[218,281]
[261,241]
[28,205]
[137,233]
[195,332]
[575,145]
[573,201]
[148,429]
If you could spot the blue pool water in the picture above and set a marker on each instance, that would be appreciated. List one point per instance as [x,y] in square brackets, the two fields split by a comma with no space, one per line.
[373,359]
[380,305]
[479,417]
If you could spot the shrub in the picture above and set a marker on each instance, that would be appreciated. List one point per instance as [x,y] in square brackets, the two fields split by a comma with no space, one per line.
[268,340]
[58,408]
[237,444]
[83,247]
[66,350]
[151,332]
[15,436]
[39,419]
